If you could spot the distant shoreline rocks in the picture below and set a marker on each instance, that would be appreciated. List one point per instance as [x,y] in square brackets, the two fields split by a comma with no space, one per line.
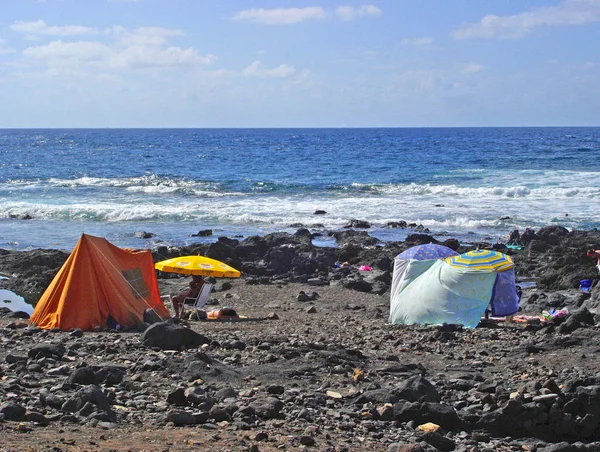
[555,258]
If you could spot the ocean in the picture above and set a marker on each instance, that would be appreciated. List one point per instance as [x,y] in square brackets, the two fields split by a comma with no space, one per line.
[469,183]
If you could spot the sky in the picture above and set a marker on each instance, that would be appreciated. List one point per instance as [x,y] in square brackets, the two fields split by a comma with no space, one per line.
[319,63]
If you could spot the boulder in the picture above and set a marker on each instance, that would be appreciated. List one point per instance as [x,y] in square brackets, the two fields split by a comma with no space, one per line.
[12,411]
[110,375]
[83,376]
[171,336]
[55,351]
[151,317]
[267,407]
[89,394]
[375,396]
[552,235]
[416,388]
[181,417]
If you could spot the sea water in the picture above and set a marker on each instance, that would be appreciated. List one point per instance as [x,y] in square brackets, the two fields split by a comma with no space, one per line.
[469,183]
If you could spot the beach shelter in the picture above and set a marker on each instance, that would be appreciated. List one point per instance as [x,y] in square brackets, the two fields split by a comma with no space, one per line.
[455,290]
[100,280]
[428,252]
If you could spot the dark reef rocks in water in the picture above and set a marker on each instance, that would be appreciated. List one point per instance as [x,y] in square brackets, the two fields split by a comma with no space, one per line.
[359,224]
[143,235]
[203,233]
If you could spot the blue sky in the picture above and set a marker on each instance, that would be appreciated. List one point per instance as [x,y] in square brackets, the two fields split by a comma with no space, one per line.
[225,63]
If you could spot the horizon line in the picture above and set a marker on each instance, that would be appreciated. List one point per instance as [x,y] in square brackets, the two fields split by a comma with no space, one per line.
[299,127]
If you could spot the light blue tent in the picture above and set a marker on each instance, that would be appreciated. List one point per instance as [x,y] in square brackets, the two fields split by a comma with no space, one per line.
[455,290]
[427,252]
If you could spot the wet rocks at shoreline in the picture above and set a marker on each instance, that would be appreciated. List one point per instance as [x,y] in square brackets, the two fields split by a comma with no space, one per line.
[555,259]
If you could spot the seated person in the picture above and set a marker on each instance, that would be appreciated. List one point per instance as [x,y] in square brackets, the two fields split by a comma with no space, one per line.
[195,287]
[514,235]
[594,253]
[528,235]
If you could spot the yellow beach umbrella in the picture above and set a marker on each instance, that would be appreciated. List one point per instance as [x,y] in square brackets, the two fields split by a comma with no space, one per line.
[482,260]
[197,265]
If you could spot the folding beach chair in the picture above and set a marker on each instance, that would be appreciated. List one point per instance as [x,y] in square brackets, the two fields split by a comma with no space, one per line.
[200,301]
[195,303]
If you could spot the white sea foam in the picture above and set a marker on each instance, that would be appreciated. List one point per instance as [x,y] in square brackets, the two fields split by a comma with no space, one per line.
[179,207]
[431,209]
[524,184]
[521,191]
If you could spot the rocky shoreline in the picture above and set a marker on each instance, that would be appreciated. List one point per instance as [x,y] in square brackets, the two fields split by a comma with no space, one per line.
[322,371]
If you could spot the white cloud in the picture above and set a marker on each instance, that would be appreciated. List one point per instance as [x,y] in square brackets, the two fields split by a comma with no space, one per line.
[145,35]
[6,50]
[140,57]
[352,13]
[281,15]
[567,13]
[139,49]
[69,51]
[281,71]
[472,68]
[39,27]
[417,42]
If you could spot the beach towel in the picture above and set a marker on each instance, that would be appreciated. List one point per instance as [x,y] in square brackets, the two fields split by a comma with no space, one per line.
[223,313]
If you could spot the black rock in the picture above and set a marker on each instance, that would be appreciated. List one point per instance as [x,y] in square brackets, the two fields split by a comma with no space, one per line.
[89,394]
[203,233]
[181,417]
[558,447]
[438,441]
[110,375]
[51,400]
[12,359]
[12,411]
[376,396]
[416,388]
[83,376]
[55,351]
[170,336]
[151,317]
[361,224]
[177,397]
[267,407]
[143,235]
[17,315]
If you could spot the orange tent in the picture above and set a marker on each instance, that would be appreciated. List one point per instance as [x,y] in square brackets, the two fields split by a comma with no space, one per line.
[99,280]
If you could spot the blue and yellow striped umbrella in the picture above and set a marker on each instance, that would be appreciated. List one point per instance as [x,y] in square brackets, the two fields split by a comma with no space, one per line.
[482,260]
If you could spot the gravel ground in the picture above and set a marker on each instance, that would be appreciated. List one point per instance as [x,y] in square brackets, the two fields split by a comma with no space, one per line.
[317,358]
